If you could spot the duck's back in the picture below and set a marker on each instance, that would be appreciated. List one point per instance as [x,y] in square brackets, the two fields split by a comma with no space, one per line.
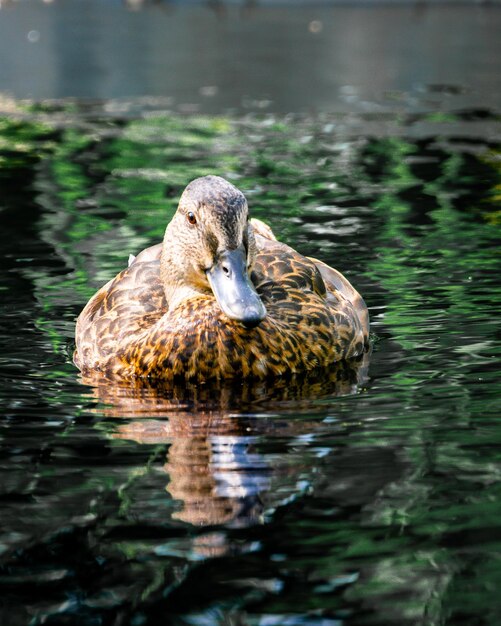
[314,318]
[119,312]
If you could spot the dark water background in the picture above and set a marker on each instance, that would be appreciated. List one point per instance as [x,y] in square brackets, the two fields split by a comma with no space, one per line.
[370,498]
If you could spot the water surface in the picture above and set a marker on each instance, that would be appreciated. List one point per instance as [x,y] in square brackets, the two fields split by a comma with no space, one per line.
[367,496]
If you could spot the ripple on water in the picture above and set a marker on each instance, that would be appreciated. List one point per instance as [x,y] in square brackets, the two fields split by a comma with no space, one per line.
[366,495]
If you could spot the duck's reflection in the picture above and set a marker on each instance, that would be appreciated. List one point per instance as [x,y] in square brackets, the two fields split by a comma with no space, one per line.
[218,479]
[215,469]
[215,472]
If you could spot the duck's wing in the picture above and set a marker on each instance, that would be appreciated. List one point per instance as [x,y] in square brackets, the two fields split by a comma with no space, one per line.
[260,228]
[336,282]
[120,311]
[282,263]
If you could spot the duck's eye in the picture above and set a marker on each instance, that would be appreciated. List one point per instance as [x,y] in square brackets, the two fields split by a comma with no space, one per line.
[192,218]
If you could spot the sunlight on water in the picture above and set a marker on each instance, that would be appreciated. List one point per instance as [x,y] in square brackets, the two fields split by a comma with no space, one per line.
[368,495]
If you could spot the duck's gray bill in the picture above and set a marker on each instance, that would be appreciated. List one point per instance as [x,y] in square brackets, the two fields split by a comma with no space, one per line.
[234,290]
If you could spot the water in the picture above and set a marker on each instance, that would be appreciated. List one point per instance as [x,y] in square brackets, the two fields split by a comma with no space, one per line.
[285,55]
[370,496]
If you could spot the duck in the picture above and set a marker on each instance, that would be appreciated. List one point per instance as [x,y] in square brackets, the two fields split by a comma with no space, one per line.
[219,298]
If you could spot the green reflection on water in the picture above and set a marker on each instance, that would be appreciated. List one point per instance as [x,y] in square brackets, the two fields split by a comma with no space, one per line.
[421,219]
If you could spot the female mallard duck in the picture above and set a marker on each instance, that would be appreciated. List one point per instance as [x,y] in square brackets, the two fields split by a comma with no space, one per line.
[220,298]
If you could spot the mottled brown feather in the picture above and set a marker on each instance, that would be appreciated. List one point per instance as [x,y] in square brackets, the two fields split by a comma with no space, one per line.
[314,319]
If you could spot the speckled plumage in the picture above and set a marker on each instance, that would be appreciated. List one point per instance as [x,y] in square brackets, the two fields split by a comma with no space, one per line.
[140,325]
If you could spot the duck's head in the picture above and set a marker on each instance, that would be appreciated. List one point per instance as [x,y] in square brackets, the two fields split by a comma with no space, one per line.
[208,247]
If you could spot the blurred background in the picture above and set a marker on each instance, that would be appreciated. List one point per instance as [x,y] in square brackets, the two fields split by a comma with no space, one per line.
[285,56]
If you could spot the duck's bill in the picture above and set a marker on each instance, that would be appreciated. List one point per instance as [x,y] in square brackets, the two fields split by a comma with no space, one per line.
[234,290]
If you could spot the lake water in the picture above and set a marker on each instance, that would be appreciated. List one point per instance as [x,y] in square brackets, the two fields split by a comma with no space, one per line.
[367,497]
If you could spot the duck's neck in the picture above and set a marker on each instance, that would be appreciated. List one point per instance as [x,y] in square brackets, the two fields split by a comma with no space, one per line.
[174,276]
